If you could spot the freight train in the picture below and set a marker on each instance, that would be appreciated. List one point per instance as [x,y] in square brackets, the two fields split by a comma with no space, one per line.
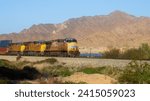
[59,47]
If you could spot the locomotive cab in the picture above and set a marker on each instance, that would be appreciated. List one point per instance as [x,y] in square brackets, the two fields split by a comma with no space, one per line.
[72,47]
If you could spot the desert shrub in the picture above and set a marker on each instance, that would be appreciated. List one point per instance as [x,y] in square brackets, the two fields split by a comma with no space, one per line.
[141,53]
[25,82]
[21,64]
[145,51]
[111,71]
[135,73]
[29,73]
[56,71]
[49,60]
[92,70]
[4,81]
[114,53]
[134,54]
[68,82]
[6,63]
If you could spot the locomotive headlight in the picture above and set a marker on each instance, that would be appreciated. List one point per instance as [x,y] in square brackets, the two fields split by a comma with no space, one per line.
[73,48]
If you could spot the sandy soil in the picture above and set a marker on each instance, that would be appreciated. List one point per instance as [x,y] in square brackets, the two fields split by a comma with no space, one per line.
[76,62]
[89,78]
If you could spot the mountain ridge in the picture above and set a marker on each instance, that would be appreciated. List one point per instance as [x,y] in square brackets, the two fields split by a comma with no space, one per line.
[115,30]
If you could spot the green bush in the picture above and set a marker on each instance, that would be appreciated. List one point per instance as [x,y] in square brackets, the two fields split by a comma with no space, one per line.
[135,73]
[3,81]
[68,82]
[25,82]
[5,63]
[114,53]
[111,71]
[49,60]
[134,54]
[21,64]
[141,53]
[56,71]
[92,70]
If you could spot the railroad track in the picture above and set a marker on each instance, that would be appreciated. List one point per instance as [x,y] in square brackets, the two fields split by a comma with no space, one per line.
[75,62]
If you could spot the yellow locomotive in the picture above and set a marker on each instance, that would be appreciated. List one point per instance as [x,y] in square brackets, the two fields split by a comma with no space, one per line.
[72,47]
[16,48]
[59,47]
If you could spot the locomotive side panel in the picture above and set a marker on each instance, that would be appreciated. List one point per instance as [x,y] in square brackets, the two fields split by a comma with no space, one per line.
[14,48]
[35,48]
[59,47]
[56,48]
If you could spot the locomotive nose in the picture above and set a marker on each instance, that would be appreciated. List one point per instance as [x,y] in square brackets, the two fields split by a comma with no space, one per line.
[73,48]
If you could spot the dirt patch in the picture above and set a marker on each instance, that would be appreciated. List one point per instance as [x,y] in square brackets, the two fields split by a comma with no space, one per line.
[89,78]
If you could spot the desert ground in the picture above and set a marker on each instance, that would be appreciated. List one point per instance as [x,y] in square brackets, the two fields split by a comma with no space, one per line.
[75,62]
[69,70]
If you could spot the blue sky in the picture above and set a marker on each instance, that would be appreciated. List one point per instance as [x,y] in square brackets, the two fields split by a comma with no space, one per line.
[16,15]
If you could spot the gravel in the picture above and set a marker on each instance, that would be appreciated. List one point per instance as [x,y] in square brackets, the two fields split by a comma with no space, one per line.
[76,62]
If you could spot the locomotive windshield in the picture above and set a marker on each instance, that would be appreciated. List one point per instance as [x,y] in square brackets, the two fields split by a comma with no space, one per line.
[71,40]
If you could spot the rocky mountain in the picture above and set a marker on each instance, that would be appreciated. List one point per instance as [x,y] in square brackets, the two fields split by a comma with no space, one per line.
[118,29]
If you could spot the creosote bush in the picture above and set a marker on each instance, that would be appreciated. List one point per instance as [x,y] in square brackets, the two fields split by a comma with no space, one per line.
[114,53]
[135,73]
[49,60]
[141,53]
[89,70]
[56,71]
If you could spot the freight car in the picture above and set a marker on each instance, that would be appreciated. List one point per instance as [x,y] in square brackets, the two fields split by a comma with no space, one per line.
[59,47]
[4,46]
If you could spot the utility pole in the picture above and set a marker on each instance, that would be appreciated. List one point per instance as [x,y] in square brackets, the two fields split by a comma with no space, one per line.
[90,52]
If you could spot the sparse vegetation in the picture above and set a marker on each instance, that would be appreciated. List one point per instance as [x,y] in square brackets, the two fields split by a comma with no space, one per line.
[111,71]
[49,60]
[6,63]
[25,82]
[89,70]
[9,73]
[113,53]
[141,53]
[4,81]
[69,82]
[56,71]
[136,72]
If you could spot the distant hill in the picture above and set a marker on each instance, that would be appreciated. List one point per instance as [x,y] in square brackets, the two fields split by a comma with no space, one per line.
[118,29]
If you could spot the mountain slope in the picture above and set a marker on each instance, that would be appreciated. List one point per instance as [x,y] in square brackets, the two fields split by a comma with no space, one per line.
[118,29]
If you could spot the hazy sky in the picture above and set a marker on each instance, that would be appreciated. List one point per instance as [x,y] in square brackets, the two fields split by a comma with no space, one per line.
[16,15]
